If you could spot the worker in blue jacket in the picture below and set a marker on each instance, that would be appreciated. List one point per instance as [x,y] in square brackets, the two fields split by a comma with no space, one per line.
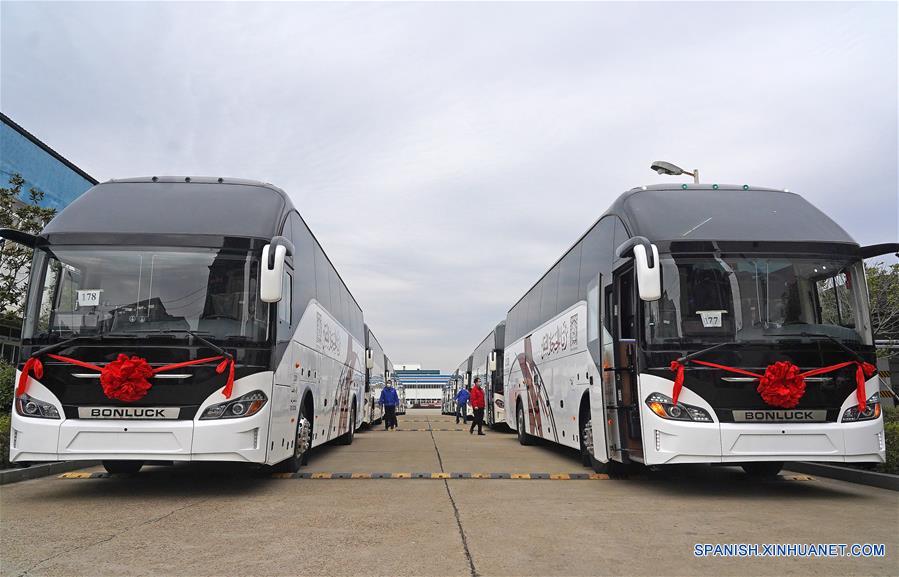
[462,404]
[389,399]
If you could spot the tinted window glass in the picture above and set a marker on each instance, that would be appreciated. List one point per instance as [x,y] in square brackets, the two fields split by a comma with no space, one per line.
[347,320]
[621,235]
[596,254]
[513,328]
[569,270]
[303,263]
[336,297]
[550,285]
[533,309]
[322,278]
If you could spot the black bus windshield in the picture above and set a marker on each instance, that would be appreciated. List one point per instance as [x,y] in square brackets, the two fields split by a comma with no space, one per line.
[101,290]
[741,299]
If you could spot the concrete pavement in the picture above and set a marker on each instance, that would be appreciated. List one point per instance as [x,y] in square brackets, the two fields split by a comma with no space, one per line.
[192,520]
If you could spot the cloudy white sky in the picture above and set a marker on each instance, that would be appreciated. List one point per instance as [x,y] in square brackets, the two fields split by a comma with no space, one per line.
[446,154]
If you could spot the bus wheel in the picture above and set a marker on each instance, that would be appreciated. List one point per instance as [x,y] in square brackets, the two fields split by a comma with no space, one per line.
[586,441]
[301,446]
[587,451]
[348,438]
[763,470]
[122,467]
[523,437]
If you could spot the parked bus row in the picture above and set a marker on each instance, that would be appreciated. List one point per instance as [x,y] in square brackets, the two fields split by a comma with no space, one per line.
[206,333]
[694,324]
[486,363]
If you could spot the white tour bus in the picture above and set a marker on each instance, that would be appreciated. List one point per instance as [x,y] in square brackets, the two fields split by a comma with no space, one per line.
[700,324]
[464,380]
[215,331]
[487,364]
[375,372]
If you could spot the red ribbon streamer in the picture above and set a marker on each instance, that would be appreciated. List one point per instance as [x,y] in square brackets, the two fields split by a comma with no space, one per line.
[863,371]
[34,365]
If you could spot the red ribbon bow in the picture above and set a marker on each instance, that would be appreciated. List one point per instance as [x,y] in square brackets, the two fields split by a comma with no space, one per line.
[126,378]
[782,385]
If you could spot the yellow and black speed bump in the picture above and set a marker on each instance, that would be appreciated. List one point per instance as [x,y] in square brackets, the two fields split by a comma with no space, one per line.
[445,475]
[429,475]
[402,430]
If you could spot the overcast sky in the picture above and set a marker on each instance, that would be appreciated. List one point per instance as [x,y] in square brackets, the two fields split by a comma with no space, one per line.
[446,154]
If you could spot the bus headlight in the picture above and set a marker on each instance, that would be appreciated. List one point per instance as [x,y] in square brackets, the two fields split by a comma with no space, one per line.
[871,412]
[664,407]
[31,407]
[244,406]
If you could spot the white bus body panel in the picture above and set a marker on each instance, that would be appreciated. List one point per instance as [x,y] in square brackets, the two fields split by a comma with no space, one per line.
[559,349]
[565,365]
[309,366]
[92,439]
[670,442]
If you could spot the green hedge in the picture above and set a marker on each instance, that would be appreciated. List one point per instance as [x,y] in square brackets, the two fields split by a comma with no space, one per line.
[891,430]
[892,440]
[4,441]
[7,375]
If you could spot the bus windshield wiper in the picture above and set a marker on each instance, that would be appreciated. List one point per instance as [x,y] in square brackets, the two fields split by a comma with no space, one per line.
[64,343]
[832,339]
[701,352]
[195,335]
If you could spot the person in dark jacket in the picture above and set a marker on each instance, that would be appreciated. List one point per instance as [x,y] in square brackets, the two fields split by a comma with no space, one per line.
[477,405]
[389,399]
[462,404]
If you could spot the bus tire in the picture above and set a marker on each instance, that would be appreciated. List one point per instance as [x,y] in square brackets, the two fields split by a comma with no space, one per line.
[586,440]
[348,438]
[763,469]
[523,437]
[122,467]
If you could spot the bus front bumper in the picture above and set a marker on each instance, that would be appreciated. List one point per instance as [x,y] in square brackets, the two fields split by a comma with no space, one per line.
[668,441]
[35,439]
[672,442]
[241,440]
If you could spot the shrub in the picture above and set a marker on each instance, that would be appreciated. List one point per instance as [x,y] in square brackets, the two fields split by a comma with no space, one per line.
[892,440]
[7,378]
[4,440]
[890,414]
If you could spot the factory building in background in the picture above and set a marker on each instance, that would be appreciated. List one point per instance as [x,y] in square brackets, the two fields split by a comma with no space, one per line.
[424,387]
[46,170]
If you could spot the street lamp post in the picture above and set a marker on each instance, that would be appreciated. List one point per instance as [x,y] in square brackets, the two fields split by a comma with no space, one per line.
[663,167]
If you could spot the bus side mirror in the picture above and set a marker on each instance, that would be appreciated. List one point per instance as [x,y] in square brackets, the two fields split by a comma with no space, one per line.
[369,361]
[649,278]
[270,285]
[646,263]
[271,278]
[491,364]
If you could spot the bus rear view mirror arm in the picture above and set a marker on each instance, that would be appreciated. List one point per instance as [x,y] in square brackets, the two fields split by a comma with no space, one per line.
[19,237]
[880,249]
[646,264]
[271,279]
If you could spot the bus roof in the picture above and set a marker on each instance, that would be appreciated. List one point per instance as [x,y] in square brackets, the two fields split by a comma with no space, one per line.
[176,205]
[724,213]
[669,212]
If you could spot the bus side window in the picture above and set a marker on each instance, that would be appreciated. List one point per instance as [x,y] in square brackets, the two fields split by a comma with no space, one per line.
[626,303]
[284,307]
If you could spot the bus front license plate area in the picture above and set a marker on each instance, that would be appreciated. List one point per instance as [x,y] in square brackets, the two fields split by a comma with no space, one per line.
[771,416]
[149,413]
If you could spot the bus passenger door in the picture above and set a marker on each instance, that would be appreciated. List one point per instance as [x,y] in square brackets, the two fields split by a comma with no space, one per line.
[282,430]
[624,326]
[596,341]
